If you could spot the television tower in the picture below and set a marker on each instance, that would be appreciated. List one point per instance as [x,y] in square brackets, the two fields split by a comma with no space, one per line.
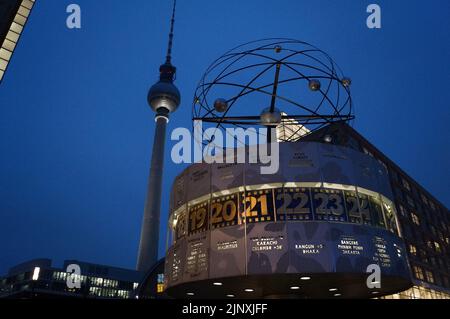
[164,98]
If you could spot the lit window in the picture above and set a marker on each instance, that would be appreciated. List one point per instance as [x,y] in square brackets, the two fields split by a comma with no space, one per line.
[9,45]
[20,19]
[96,281]
[123,294]
[437,247]
[27,3]
[17,28]
[24,11]
[95,291]
[430,277]
[110,283]
[12,36]
[413,249]
[60,276]
[36,272]
[415,219]
[418,272]
[159,288]
[5,54]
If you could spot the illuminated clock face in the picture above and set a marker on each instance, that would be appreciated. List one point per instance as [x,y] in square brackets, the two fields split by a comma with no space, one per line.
[198,218]
[224,211]
[257,206]
[293,204]
[329,204]
[280,204]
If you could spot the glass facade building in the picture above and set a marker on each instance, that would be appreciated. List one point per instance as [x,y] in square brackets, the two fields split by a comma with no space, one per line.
[38,279]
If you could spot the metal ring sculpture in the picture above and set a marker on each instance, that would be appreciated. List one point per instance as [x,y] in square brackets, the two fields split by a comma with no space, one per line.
[292,82]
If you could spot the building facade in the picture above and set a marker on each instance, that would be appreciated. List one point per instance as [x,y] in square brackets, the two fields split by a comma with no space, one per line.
[424,222]
[13,18]
[39,279]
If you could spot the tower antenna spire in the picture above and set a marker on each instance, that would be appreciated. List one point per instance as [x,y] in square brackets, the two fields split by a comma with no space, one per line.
[171,34]
[164,99]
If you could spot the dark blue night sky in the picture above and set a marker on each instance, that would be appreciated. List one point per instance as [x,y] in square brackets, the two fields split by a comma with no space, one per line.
[76,131]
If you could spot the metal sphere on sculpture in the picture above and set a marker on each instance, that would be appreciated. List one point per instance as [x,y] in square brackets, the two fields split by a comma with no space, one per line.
[346,82]
[314,85]
[164,95]
[270,118]
[221,105]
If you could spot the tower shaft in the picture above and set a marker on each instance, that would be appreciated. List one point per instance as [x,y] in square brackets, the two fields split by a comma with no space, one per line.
[148,247]
[164,98]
